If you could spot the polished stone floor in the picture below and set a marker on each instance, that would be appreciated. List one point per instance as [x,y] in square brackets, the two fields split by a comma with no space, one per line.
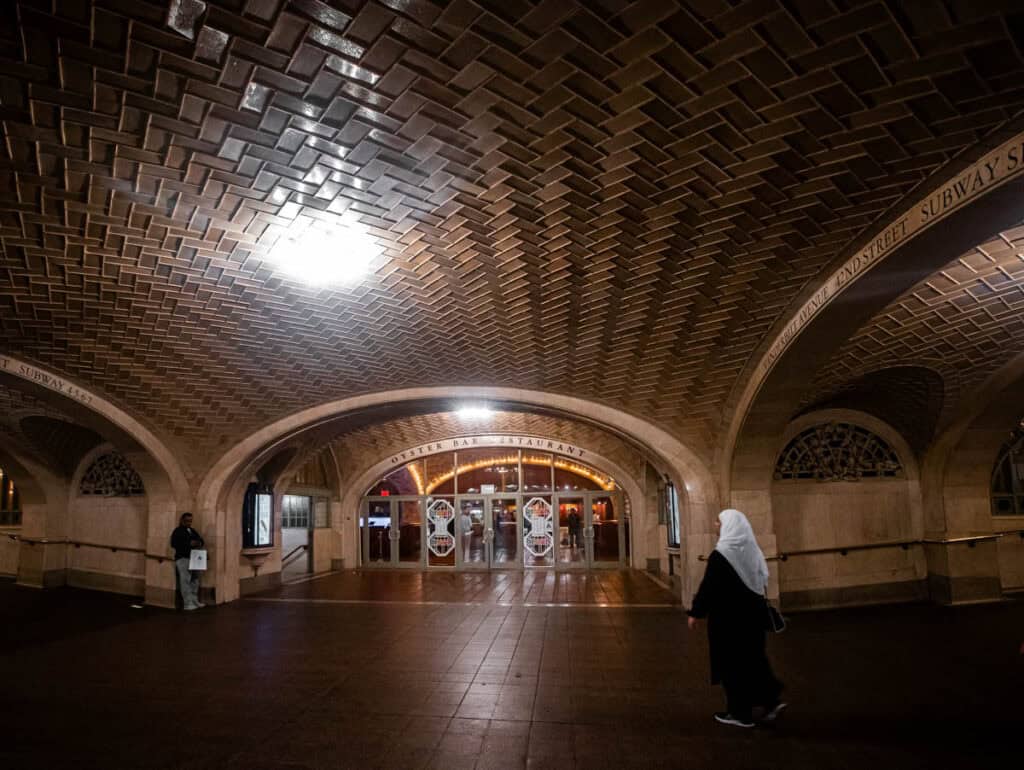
[315,682]
[607,588]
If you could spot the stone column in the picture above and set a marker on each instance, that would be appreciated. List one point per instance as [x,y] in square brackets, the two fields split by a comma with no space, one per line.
[957,505]
[44,517]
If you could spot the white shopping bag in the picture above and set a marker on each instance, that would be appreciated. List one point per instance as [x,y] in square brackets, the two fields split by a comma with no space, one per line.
[197,559]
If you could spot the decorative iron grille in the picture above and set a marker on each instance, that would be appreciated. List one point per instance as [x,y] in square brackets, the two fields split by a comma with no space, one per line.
[111,475]
[837,451]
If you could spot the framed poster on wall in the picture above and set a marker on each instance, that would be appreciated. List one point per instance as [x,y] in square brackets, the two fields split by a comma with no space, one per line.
[258,517]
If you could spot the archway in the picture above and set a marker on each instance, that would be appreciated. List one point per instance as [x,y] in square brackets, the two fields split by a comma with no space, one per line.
[846,503]
[590,522]
[50,396]
[973,562]
[928,232]
[221,490]
[43,505]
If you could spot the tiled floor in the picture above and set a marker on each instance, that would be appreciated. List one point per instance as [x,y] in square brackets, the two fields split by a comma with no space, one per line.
[90,682]
[611,588]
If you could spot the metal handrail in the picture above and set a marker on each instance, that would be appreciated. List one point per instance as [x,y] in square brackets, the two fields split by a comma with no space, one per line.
[844,549]
[32,541]
[291,553]
[969,540]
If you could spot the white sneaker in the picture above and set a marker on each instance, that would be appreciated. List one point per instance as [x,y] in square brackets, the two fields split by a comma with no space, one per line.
[200,604]
[775,713]
[728,719]
[189,609]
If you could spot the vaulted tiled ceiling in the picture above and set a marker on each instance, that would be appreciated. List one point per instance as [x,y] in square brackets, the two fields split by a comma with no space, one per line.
[962,323]
[360,448]
[42,432]
[615,200]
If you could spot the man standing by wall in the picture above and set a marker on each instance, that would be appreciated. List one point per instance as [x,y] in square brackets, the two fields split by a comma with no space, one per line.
[183,540]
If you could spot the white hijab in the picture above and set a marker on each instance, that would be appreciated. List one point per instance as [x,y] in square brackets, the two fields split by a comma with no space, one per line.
[737,544]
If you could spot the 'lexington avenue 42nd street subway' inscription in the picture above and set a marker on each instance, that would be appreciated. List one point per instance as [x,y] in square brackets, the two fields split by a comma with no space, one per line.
[996,167]
[44,378]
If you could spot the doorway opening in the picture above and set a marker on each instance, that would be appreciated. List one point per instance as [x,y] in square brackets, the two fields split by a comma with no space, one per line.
[494,509]
[296,536]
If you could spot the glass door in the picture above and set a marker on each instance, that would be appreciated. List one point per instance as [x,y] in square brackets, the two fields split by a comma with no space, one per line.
[441,538]
[410,532]
[538,532]
[607,533]
[471,528]
[375,533]
[569,540]
[504,532]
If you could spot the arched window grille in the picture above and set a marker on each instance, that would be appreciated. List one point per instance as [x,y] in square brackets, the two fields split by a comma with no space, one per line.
[1008,477]
[837,451]
[10,503]
[111,475]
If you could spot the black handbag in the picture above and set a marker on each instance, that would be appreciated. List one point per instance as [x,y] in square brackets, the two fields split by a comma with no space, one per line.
[773,620]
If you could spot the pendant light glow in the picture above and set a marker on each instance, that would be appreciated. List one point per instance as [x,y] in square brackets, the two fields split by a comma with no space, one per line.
[321,254]
[474,412]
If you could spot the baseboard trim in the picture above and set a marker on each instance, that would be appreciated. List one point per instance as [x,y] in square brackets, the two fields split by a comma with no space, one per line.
[131,585]
[254,585]
[962,590]
[899,592]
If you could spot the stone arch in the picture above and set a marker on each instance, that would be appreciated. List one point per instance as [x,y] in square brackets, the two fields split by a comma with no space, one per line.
[168,488]
[92,411]
[89,461]
[32,479]
[61,441]
[43,497]
[810,515]
[119,521]
[326,540]
[909,398]
[956,485]
[857,417]
[699,481]
[865,278]
[220,489]
[367,475]
[68,423]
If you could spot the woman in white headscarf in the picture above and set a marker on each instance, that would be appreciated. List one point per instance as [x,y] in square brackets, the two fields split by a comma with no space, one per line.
[732,598]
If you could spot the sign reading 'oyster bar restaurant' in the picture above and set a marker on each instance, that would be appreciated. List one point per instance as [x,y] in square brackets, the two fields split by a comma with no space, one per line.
[499,440]
[998,166]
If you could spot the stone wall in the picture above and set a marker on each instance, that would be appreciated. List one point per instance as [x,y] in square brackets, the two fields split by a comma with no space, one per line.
[1011,556]
[815,516]
[841,508]
[113,521]
[8,553]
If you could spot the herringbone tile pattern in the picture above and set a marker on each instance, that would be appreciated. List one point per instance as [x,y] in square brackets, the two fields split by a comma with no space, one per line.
[962,323]
[610,199]
[360,448]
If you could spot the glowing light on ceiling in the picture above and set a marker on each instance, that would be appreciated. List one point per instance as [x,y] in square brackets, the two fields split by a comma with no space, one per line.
[416,477]
[474,412]
[604,482]
[321,253]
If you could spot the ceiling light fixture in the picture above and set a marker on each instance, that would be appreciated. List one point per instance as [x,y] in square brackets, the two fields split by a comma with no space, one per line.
[474,412]
[321,253]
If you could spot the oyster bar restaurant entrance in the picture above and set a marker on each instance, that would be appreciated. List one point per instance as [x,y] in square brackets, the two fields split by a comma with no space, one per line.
[468,512]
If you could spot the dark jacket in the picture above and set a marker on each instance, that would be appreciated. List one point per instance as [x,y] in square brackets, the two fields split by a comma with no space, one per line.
[181,541]
[736,619]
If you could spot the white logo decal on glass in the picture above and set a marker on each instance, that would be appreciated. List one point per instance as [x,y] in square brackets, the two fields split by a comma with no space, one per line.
[440,514]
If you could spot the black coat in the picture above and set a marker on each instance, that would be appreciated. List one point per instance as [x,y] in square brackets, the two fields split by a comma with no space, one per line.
[181,541]
[736,620]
